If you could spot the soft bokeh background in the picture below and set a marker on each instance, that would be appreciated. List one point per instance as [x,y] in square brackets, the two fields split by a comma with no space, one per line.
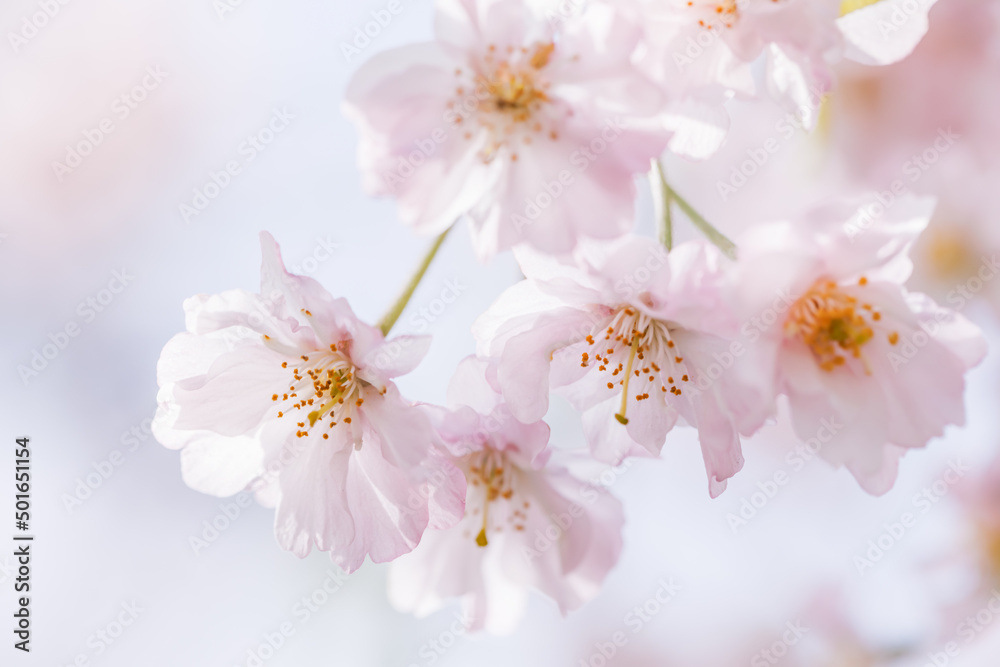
[228,66]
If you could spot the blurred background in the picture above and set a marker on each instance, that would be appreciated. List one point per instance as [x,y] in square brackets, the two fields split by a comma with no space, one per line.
[117,121]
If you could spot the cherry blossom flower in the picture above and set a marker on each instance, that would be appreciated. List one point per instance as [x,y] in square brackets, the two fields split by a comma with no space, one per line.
[884,119]
[528,522]
[535,136]
[289,394]
[704,51]
[980,499]
[870,369]
[925,124]
[956,260]
[634,339]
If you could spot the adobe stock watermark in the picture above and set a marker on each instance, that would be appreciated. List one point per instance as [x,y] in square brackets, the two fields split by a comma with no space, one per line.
[757,157]
[796,460]
[908,345]
[968,629]
[33,23]
[302,612]
[420,321]
[431,311]
[264,309]
[270,306]
[100,641]
[561,523]
[224,8]
[610,476]
[772,655]
[59,340]
[960,296]
[727,353]
[289,453]
[564,12]
[634,621]
[922,502]
[434,649]
[248,151]
[975,624]
[365,35]
[104,469]
[761,323]
[580,160]
[913,169]
[634,283]
[419,497]
[323,251]
[455,120]
[901,14]
[121,108]
[423,150]
[228,514]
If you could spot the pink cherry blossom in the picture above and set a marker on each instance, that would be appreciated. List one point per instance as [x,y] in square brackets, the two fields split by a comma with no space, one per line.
[634,339]
[870,369]
[956,260]
[289,394]
[926,123]
[939,98]
[705,51]
[980,498]
[528,522]
[535,136]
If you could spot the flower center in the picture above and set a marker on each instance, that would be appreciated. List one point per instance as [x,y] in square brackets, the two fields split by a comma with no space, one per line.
[324,386]
[506,99]
[515,91]
[723,14]
[636,347]
[991,543]
[948,253]
[715,14]
[491,474]
[834,324]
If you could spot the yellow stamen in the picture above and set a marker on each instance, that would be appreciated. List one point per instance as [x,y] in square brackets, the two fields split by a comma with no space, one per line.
[622,419]
[832,324]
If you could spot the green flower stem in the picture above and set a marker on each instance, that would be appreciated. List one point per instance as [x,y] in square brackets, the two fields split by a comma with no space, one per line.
[666,228]
[389,319]
[670,196]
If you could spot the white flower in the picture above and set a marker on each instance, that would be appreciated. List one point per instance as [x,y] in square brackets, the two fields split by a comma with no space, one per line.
[289,394]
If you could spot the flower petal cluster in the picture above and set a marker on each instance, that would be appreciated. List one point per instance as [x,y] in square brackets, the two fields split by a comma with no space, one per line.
[529,523]
[287,393]
[869,368]
[535,134]
[531,122]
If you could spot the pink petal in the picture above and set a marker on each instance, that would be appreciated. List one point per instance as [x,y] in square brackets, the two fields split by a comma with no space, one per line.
[524,363]
[235,396]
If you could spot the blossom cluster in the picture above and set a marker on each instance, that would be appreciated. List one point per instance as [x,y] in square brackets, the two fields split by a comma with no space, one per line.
[530,121]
